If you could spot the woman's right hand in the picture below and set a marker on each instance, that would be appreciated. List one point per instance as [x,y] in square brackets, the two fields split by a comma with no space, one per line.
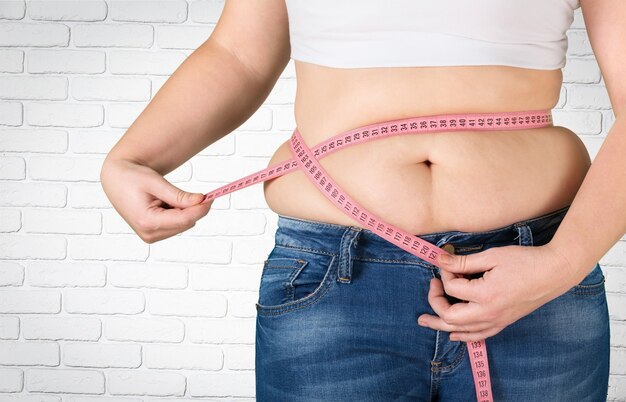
[153,207]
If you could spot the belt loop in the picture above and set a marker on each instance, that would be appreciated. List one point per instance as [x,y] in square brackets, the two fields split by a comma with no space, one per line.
[525,235]
[347,249]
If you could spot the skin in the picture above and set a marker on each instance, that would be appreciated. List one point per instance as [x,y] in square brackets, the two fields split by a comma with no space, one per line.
[469,181]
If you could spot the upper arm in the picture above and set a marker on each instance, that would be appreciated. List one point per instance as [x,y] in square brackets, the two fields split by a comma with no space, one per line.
[606,27]
[257,33]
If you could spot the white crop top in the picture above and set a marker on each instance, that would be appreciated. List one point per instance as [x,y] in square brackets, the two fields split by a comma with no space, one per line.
[387,33]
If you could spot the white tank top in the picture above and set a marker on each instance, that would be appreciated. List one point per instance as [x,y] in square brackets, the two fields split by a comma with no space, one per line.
[404,33]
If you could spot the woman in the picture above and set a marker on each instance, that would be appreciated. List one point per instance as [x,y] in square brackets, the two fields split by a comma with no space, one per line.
[485,196]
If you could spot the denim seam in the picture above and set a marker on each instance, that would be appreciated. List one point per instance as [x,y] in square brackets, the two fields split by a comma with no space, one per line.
[588,289]
[300,303]
[306,249]
[457,359]
[388,260]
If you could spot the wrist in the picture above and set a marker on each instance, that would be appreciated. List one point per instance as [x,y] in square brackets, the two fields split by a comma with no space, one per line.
[567,273]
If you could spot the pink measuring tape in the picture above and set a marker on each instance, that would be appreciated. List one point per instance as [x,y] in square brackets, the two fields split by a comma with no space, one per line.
[307,160]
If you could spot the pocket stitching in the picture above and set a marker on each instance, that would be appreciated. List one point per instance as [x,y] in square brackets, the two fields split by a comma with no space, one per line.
[308,300]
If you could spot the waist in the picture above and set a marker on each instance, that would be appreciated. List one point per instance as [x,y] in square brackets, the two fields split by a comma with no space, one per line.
[463,180]
[325,237]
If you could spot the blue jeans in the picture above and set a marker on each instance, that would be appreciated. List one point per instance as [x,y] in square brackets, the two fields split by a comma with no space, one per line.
[319,338]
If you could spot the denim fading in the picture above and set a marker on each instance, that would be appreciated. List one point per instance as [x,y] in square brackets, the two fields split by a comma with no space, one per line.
[337,321]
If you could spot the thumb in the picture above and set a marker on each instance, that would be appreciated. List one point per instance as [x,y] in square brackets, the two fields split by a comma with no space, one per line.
[464,264]
[176,197]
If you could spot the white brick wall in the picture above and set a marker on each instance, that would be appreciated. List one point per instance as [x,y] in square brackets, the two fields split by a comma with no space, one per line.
[88,311]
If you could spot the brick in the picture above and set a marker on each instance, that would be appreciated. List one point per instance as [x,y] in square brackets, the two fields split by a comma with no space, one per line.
[230,169]
[38,140]
[33,87]
[222,384]
[11,114]
[182,37]
[184,357]
[149,11]
[30,398]
[197,250]
[11,273]
[146,62]
[617,388]
[69,381]
[10,220]
[239,357]
[588,97]
[93,10]
[11,380]
[114,224]
[33,34]
[206,11]
[578,43]
[154,383]
[66,168]
[9,327]
[113,35]
[12,168]
[230,223]
[225,278]
[116,89]
[581,71]
[62,114]
[222,331]
[61,328]
[29,353]
[144,329]
[149,275]
[581,122]
[13,10]
[617,306]
[62,221]
[101,355]
[618,361]
[124,248]
[32,247]
[68,61]
[253,250]
[30,301]
[88,195]
[66,274]
[258,144]
[105,301]
[94,141]
[11,60]
[32,195]
[242,305]
[122,115]
[186,303]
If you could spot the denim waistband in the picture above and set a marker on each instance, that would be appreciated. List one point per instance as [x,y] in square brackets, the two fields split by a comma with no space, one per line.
[327,237]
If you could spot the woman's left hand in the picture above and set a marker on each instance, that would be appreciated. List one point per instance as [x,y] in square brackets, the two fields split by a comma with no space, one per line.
[516,281]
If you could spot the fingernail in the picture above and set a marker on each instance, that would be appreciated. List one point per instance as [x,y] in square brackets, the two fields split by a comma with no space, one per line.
[421,321]
[445,259]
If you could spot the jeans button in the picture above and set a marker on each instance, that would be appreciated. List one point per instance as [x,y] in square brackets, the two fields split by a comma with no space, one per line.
[449,248]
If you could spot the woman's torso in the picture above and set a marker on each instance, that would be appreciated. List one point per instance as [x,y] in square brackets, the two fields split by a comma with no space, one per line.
[475,181]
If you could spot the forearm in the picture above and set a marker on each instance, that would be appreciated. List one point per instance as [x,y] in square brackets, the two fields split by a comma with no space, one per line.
[596,219]
[208,96]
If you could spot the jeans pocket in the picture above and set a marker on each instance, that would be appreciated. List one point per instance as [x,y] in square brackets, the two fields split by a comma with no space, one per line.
[592,284]
[293,278]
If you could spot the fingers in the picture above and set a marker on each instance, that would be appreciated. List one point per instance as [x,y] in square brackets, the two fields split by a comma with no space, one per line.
[452,317]
[467,263]
[172,195]
[462,288]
